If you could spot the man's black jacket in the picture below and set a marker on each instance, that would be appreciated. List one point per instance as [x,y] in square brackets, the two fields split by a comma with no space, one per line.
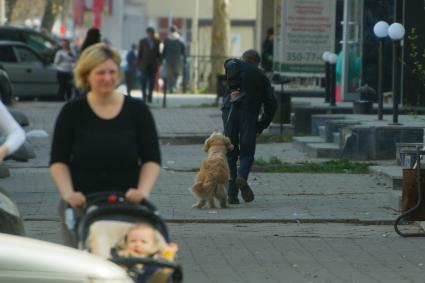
[255,90]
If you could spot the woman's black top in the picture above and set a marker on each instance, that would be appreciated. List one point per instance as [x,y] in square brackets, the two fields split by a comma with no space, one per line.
[105,154]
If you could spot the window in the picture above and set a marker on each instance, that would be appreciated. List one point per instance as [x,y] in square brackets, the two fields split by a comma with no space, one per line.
[26,55]
[11,35]
[7,54]
[39,42]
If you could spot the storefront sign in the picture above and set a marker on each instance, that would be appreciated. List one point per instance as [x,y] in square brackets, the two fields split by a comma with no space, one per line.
[304,30]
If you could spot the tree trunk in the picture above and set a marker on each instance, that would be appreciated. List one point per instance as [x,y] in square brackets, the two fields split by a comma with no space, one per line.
[52,10]
[219,40]
[26,9]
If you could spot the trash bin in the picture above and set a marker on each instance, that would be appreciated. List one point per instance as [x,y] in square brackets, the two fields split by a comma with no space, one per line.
[367,93]
[402,147]
[221,86]
[409,161]
[362,107]
[365,104]
[283,111]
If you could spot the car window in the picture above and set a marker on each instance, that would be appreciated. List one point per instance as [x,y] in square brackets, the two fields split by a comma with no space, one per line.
[39,42]
[26,55]
[7,54]
[11,35]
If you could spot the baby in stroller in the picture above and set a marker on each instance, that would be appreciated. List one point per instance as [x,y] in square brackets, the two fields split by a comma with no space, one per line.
[132,236]
[142,240]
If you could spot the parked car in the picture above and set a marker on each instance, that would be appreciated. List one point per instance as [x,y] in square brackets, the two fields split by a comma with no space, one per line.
[5,88]
[43,44]
[25,260]
[30,75]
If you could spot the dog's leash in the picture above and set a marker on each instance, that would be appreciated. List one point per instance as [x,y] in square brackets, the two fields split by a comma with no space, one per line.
[226,124]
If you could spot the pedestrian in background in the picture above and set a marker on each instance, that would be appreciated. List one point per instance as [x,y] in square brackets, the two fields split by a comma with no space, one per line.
[15,135]
[64,61]
[174,56]
[148,60]
[131,69]
[249,92]
[267,52]
[92,37]
[103,141]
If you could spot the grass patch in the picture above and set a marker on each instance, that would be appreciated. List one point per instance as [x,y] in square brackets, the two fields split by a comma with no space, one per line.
[203,105]
[265,138]
[275,165]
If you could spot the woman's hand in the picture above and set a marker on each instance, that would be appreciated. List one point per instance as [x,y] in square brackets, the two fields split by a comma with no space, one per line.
[75,199]
[135,196]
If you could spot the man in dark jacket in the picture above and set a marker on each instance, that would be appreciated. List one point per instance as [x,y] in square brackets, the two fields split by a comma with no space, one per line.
[250,94]
[174,55]
[148,59]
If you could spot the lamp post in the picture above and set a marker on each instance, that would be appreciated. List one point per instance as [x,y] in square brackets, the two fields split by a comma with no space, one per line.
[327,74]
[381,32]
[396,32]
[332,58]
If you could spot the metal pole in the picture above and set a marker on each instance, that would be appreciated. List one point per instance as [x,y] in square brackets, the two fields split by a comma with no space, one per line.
[396,79]
[164,100]
[332,84]
[380,95]
[194,51]
[281,108]
[327,82]
[345,38]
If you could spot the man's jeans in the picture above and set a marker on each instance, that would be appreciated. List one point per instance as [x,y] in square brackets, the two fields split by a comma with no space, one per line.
[173,72]
[241,128]
[148,77]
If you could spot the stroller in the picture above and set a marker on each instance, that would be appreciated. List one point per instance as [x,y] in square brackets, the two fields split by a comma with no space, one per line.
[109,210]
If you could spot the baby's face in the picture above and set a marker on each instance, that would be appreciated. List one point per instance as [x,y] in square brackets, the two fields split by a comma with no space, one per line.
[141,242]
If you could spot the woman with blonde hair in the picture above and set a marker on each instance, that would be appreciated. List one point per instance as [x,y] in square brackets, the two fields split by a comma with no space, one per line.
[104,141]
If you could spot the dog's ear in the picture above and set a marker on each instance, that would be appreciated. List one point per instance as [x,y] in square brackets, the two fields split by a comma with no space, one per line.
[229,145]
[207,145]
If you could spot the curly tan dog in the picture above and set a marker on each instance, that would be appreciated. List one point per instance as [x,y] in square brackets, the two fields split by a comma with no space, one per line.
[213,177]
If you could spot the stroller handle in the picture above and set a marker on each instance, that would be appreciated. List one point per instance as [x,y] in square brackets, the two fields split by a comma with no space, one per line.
[113,197]
[130,261]
[176,276]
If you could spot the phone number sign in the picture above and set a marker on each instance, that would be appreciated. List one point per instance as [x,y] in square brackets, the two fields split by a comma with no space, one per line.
[307,29]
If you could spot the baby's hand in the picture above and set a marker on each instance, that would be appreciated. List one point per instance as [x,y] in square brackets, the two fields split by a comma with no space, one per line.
[169,252]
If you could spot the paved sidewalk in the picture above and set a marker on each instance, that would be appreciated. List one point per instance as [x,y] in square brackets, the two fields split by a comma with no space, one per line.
[300,228]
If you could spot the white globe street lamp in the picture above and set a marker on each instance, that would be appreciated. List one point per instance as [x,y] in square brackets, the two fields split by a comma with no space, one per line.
[332,58]
[381,32]
[325,56]
[380,29]
[396,31]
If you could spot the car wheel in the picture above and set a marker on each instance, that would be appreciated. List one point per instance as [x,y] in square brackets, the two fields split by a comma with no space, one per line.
[5,92]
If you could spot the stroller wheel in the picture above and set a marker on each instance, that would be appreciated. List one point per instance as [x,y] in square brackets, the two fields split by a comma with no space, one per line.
[177,275]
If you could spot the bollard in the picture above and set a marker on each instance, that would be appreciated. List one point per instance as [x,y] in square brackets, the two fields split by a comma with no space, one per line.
[327,75]
[332,58]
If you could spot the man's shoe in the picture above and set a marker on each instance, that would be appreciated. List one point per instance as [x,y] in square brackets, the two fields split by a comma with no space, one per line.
[246,191]
[233,200]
